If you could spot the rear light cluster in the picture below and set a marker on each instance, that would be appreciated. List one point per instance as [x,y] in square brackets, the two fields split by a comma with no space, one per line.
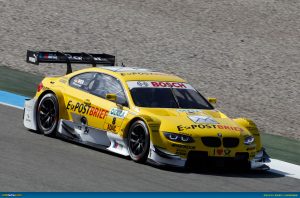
[40,87]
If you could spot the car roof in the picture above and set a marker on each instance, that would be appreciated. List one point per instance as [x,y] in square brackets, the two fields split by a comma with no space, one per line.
[136,74]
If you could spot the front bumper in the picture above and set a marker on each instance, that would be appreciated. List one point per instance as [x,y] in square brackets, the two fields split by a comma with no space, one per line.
[29,115]
[163,157]
[258,162]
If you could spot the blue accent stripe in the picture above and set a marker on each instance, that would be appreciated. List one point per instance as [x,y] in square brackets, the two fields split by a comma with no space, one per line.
[12,99]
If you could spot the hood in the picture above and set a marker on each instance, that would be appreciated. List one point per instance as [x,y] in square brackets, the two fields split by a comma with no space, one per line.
[196,122]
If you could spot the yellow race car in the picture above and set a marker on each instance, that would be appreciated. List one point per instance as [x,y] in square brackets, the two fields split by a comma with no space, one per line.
[139,113]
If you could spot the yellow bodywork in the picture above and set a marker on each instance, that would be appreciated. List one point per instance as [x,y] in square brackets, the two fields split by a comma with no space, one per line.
[106,115]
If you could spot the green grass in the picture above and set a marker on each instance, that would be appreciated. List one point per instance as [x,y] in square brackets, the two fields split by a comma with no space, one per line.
[24,83]
[18,82]
[282,148]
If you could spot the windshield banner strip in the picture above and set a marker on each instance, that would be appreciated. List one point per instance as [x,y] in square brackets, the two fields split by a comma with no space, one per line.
[158,84]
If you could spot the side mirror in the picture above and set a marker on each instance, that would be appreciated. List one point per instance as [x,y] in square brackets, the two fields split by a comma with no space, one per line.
[212,100]
[111,97]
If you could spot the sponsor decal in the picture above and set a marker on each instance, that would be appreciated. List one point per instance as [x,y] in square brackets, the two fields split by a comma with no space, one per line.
[181,152]
[87,110]
[251,148]
[183,146]
[111,127]
[79,58]
[222,152]
[83,128]
[116,145]
[168,84]
[143,84]
[48,56]
[157,84]
[141,73]
[209,126]
[202,119]
[115,112]
[27,117]
[32,59]
[97,58]
[79,81]
[189,110]
[227,151]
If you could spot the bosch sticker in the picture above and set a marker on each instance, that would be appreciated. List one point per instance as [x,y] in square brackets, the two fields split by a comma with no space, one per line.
[157,84]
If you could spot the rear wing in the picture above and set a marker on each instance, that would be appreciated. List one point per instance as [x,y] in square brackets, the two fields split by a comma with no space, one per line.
[36,57]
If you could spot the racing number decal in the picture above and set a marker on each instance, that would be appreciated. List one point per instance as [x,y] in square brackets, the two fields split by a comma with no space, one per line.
[114,120]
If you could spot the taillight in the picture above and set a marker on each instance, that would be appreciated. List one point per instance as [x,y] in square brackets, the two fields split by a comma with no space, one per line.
[40,87]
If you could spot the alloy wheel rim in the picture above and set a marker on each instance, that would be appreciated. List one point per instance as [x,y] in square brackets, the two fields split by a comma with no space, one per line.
[47,114]
[137,140]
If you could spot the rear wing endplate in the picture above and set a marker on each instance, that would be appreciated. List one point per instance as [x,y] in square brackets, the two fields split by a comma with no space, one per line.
[36,57]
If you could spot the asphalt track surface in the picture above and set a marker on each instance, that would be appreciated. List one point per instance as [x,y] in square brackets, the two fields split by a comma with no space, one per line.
[33,162]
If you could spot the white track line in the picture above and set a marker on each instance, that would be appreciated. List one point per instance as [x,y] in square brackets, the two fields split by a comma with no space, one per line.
[9,105]
[285,168]
[277,166]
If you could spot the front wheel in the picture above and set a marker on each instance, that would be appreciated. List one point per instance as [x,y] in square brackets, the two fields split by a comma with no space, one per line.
[138,141]
[47,115]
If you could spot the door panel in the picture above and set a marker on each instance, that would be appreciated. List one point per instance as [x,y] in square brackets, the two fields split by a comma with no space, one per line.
[82,106]
[86,104]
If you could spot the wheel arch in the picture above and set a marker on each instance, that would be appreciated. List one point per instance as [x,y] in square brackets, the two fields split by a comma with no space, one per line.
[133,120]
[152,124]
[59,97]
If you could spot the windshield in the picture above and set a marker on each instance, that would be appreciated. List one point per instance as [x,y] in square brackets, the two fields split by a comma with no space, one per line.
[168,97]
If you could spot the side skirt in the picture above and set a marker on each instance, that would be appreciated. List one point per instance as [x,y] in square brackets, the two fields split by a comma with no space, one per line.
[93,137]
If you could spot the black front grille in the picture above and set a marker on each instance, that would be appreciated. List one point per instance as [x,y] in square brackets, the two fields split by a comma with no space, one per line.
[211,141]
[229,142]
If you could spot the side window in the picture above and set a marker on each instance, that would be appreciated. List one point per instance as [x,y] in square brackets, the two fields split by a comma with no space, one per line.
[103,84]
[82,81]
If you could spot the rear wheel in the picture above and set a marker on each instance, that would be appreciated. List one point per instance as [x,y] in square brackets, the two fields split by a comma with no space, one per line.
[47,115]
[138,141]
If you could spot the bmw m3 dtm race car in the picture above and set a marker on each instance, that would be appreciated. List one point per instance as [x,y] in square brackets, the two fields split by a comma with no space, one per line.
[136,112]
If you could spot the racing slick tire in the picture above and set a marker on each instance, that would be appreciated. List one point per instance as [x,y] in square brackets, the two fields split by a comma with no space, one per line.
[138,141]
[47,115]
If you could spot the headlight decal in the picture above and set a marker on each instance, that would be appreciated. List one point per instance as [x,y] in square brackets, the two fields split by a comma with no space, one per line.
[178,137]
[249,140]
